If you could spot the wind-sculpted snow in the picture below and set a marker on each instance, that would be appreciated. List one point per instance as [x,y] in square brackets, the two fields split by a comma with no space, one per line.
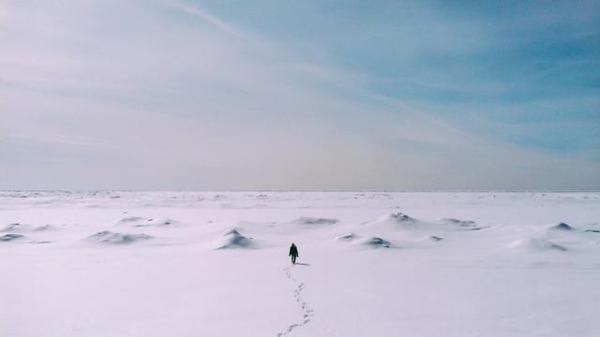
[137,221]
[158,222]
[404,222]
[401,218]
[347,237]
[44,228]
[376,242]
[11,237]
[20,227]
[12,227]
[233,239]
[370,242]
[460,223]
[155,264]
[561,237]
[112,238]
[562,227]
[396,221]
[463,224]
[315,221]
[131,220]
[538,245]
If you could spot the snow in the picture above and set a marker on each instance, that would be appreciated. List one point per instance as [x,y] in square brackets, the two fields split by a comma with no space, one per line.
[11,237]
[233,239]
[108,237]
[114,263]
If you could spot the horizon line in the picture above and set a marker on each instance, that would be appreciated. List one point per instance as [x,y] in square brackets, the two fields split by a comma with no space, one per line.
[311,191]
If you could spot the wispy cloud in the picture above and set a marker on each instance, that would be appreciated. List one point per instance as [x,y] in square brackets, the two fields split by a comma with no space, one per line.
[182,94]
[197,11]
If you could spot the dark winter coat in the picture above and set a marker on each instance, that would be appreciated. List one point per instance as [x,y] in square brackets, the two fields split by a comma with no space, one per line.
[293,250]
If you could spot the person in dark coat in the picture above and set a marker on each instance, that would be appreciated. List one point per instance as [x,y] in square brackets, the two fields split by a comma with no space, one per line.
[293,252]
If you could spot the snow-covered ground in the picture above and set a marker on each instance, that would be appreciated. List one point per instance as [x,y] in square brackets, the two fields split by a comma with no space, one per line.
[371,264]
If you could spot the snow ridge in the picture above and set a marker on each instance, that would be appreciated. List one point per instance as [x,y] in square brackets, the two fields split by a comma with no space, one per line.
[307,311]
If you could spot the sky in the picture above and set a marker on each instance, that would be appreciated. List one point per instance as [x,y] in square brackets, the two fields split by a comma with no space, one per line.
[299,95]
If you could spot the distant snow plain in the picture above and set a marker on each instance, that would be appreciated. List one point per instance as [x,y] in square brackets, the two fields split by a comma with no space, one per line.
[163,264]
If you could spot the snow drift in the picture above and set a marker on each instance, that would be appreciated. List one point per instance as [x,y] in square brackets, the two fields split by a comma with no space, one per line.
[304,220]
[130,220]
[233,239]
[11,237]
[161,222]
[19,227]
[346,237]
[538,245]
[395,221]
[112,238]
[462,224]
[137,221]
[562,227]
[376,242]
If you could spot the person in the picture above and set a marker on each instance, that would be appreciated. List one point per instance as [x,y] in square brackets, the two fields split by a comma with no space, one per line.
[293,252]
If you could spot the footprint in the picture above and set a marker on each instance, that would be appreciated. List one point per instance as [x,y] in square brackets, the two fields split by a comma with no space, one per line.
[307,311]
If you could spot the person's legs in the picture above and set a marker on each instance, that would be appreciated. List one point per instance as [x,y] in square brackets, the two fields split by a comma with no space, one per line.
[294,259]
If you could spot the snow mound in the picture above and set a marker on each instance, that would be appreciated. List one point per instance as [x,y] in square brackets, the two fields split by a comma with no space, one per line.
[137,221]
[376,242]
[233,239]
[11,237]
[315,221]
[156,223]
[19,227]
[395,221]
[537,244]
[43,228]
[346,237]
[459,222]
[108,237]
[41,242]
[130,219]
[12,227]
[562,227]
[462,224]
[400,217]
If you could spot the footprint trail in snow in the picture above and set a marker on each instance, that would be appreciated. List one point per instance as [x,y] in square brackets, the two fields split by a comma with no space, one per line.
[307,312]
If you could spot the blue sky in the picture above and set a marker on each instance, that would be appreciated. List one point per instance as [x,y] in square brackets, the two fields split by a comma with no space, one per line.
[530,64]
[394,95]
